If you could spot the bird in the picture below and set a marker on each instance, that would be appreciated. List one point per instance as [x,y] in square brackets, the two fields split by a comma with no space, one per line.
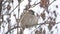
[28,19]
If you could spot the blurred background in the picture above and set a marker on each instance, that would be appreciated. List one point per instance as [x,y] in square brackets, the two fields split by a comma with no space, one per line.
[46,11]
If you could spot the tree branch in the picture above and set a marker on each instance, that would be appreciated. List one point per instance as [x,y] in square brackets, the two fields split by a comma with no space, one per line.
[40,2]
[12,29]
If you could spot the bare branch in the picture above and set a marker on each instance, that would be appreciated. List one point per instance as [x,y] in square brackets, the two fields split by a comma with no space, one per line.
[13,28]
[40,2]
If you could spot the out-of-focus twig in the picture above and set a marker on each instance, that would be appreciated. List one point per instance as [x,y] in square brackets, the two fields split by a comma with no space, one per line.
[14,8]
[40,2]
[12,29]
[4,3]
[30,25]
[42,24]
[51,2]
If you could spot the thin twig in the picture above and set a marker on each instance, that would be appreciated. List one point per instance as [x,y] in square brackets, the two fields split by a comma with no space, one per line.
[13,28]
[14,8]
[30,25]
[42,24]
[39,3]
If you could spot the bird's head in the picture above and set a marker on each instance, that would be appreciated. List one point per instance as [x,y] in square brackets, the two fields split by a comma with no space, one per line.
[31,12]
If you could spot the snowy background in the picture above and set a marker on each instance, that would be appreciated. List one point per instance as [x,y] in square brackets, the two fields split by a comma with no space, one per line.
[37,9]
